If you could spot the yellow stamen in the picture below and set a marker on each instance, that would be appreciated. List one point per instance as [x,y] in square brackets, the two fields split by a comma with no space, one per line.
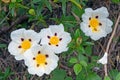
[26,44]
[40,59]
[54,40]
[94,24]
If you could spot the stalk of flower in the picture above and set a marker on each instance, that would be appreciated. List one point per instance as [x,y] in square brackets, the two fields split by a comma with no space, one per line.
[22,40]
[96,23]
[40,60]
[56,38]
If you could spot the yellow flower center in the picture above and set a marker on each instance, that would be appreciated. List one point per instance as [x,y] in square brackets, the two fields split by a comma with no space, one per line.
[94,24]
[40,59]
[54,40]
[26,44]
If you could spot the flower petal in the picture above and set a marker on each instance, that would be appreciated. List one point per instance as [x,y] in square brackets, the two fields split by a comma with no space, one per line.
[44,35]
[66,38]
[17,35]
[103,60]
[13,48]
[101,12]
[31,34]
[19,57]
[57,29]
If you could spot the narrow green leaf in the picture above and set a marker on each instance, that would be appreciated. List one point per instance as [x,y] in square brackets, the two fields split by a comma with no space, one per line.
[118,76]
[77,33]
[77,68]
[35,1]
[47,3]
[64,6]
[77,4]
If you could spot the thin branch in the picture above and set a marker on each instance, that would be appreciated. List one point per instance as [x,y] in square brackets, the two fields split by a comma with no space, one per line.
[113,33]
[5,18]
[109,42]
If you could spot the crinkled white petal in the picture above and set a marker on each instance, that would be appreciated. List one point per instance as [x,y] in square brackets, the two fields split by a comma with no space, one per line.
[52,60]
[31,34]
[19,57]
[16,41]
[29,58]
[44,33]
[104,59]
[104,29]
[13,48]
[98,35]
[66,38]
[37,71]
[88,10]
[50,67]
[84,27]
[87,15]
[17,35]
[57,29]
[60,49]
[101,12]
[109,28]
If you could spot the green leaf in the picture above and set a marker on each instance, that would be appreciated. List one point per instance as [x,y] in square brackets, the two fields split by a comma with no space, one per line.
[35,1]
[82,58]
[83,63]
[3,45]
[116,1]
[77,68]
[113,73]
[107,78]
[77,33]
[68,78]
[58,74]
[118,76]
[64,6]
[93,76]
[73,60]
[47,3]
[88,50]
[76,3]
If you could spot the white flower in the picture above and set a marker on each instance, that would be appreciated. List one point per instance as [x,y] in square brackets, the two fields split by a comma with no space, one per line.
[95,23]
[22,40]
[104,59]
[40,60]
[56,38]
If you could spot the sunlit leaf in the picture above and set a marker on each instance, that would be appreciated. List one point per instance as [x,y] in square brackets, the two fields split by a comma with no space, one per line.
[77,68]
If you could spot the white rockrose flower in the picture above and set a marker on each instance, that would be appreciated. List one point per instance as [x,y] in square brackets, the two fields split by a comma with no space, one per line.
[96,23]
[40,60]
[56,38]
[22,40]
[104,59]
